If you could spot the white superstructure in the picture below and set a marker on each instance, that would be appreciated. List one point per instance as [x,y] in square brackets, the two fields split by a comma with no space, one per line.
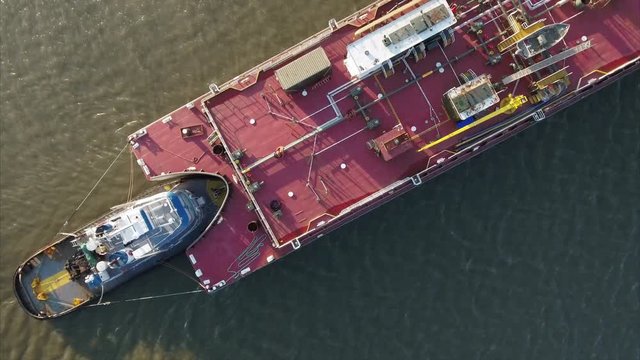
[370,52]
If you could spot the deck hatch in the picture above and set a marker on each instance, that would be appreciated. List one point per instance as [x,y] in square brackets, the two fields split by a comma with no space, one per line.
[304,71]
[472,97]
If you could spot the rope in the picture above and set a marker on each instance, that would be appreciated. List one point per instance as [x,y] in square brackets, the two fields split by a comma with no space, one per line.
[130,193]
[7,302]
[147,298]
[202,289]
[101,292]
[93,188]
[183,273]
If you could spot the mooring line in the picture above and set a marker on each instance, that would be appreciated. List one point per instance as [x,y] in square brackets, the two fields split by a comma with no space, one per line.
[93,188]
[147,297]
[166,264]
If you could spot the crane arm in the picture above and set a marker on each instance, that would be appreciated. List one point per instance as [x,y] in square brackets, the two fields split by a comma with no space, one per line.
[510,104]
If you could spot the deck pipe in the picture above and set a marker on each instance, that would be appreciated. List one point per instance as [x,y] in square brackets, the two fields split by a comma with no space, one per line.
[337,120]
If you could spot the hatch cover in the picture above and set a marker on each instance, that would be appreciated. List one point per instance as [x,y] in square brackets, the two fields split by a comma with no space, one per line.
[304,71]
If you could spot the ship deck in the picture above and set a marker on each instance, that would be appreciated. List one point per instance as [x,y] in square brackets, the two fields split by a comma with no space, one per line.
[318,178]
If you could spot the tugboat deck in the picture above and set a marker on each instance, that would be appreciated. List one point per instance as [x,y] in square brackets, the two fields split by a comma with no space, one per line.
[316,176]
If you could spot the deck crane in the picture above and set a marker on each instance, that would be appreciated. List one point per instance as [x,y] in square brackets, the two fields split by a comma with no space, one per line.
[507,105]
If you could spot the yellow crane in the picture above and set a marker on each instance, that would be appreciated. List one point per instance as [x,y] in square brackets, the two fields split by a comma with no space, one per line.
[520,31]
[507,105]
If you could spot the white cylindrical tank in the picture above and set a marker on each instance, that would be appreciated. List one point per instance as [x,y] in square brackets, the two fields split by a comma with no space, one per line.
[129,252]
[102,267]
[92,245]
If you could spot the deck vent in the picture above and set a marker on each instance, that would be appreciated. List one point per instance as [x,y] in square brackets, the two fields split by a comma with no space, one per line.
[333,24]
[255,186]
[252,226]
[214,88]
[304,71]
[218,149]
[276,207]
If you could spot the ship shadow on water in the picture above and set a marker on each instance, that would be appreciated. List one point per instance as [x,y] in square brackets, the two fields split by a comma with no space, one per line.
[128,329]
[519,251]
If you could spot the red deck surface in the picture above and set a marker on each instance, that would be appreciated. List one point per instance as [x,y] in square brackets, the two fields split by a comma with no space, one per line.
[343,170]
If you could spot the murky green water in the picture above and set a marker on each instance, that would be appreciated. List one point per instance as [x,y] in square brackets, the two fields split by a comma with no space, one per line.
[530,251]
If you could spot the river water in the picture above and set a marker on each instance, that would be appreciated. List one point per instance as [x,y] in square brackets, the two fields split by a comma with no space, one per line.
[530,251]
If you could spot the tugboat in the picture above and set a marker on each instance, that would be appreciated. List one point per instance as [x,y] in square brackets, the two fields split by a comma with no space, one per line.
[82,266]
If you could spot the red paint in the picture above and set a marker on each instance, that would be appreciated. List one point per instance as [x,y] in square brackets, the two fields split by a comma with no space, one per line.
[164,150]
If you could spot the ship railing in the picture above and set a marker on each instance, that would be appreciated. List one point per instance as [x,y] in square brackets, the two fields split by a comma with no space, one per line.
[245,186]
[266,65]
[433,163]
[388,190]
[603,74]
[298,48]
[534,4]
[447,157]
[281,57]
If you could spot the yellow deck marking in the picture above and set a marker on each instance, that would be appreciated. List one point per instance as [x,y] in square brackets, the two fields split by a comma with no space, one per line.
[53,282]
[427,74]
[509,104]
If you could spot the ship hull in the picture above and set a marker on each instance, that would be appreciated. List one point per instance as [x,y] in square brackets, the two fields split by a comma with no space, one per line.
[519,124]
[483,145]
[306,162]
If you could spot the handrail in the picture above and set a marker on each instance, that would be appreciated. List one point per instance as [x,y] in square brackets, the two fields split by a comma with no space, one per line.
[241,179]
[473,146]
[297,48]
[386,17]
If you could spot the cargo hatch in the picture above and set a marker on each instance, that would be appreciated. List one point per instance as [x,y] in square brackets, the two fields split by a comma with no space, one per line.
[304,71]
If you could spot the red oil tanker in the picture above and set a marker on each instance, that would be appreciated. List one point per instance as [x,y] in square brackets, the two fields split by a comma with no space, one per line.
[372,107]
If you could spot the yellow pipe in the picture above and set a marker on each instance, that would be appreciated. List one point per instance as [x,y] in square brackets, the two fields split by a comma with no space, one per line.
[511,104]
